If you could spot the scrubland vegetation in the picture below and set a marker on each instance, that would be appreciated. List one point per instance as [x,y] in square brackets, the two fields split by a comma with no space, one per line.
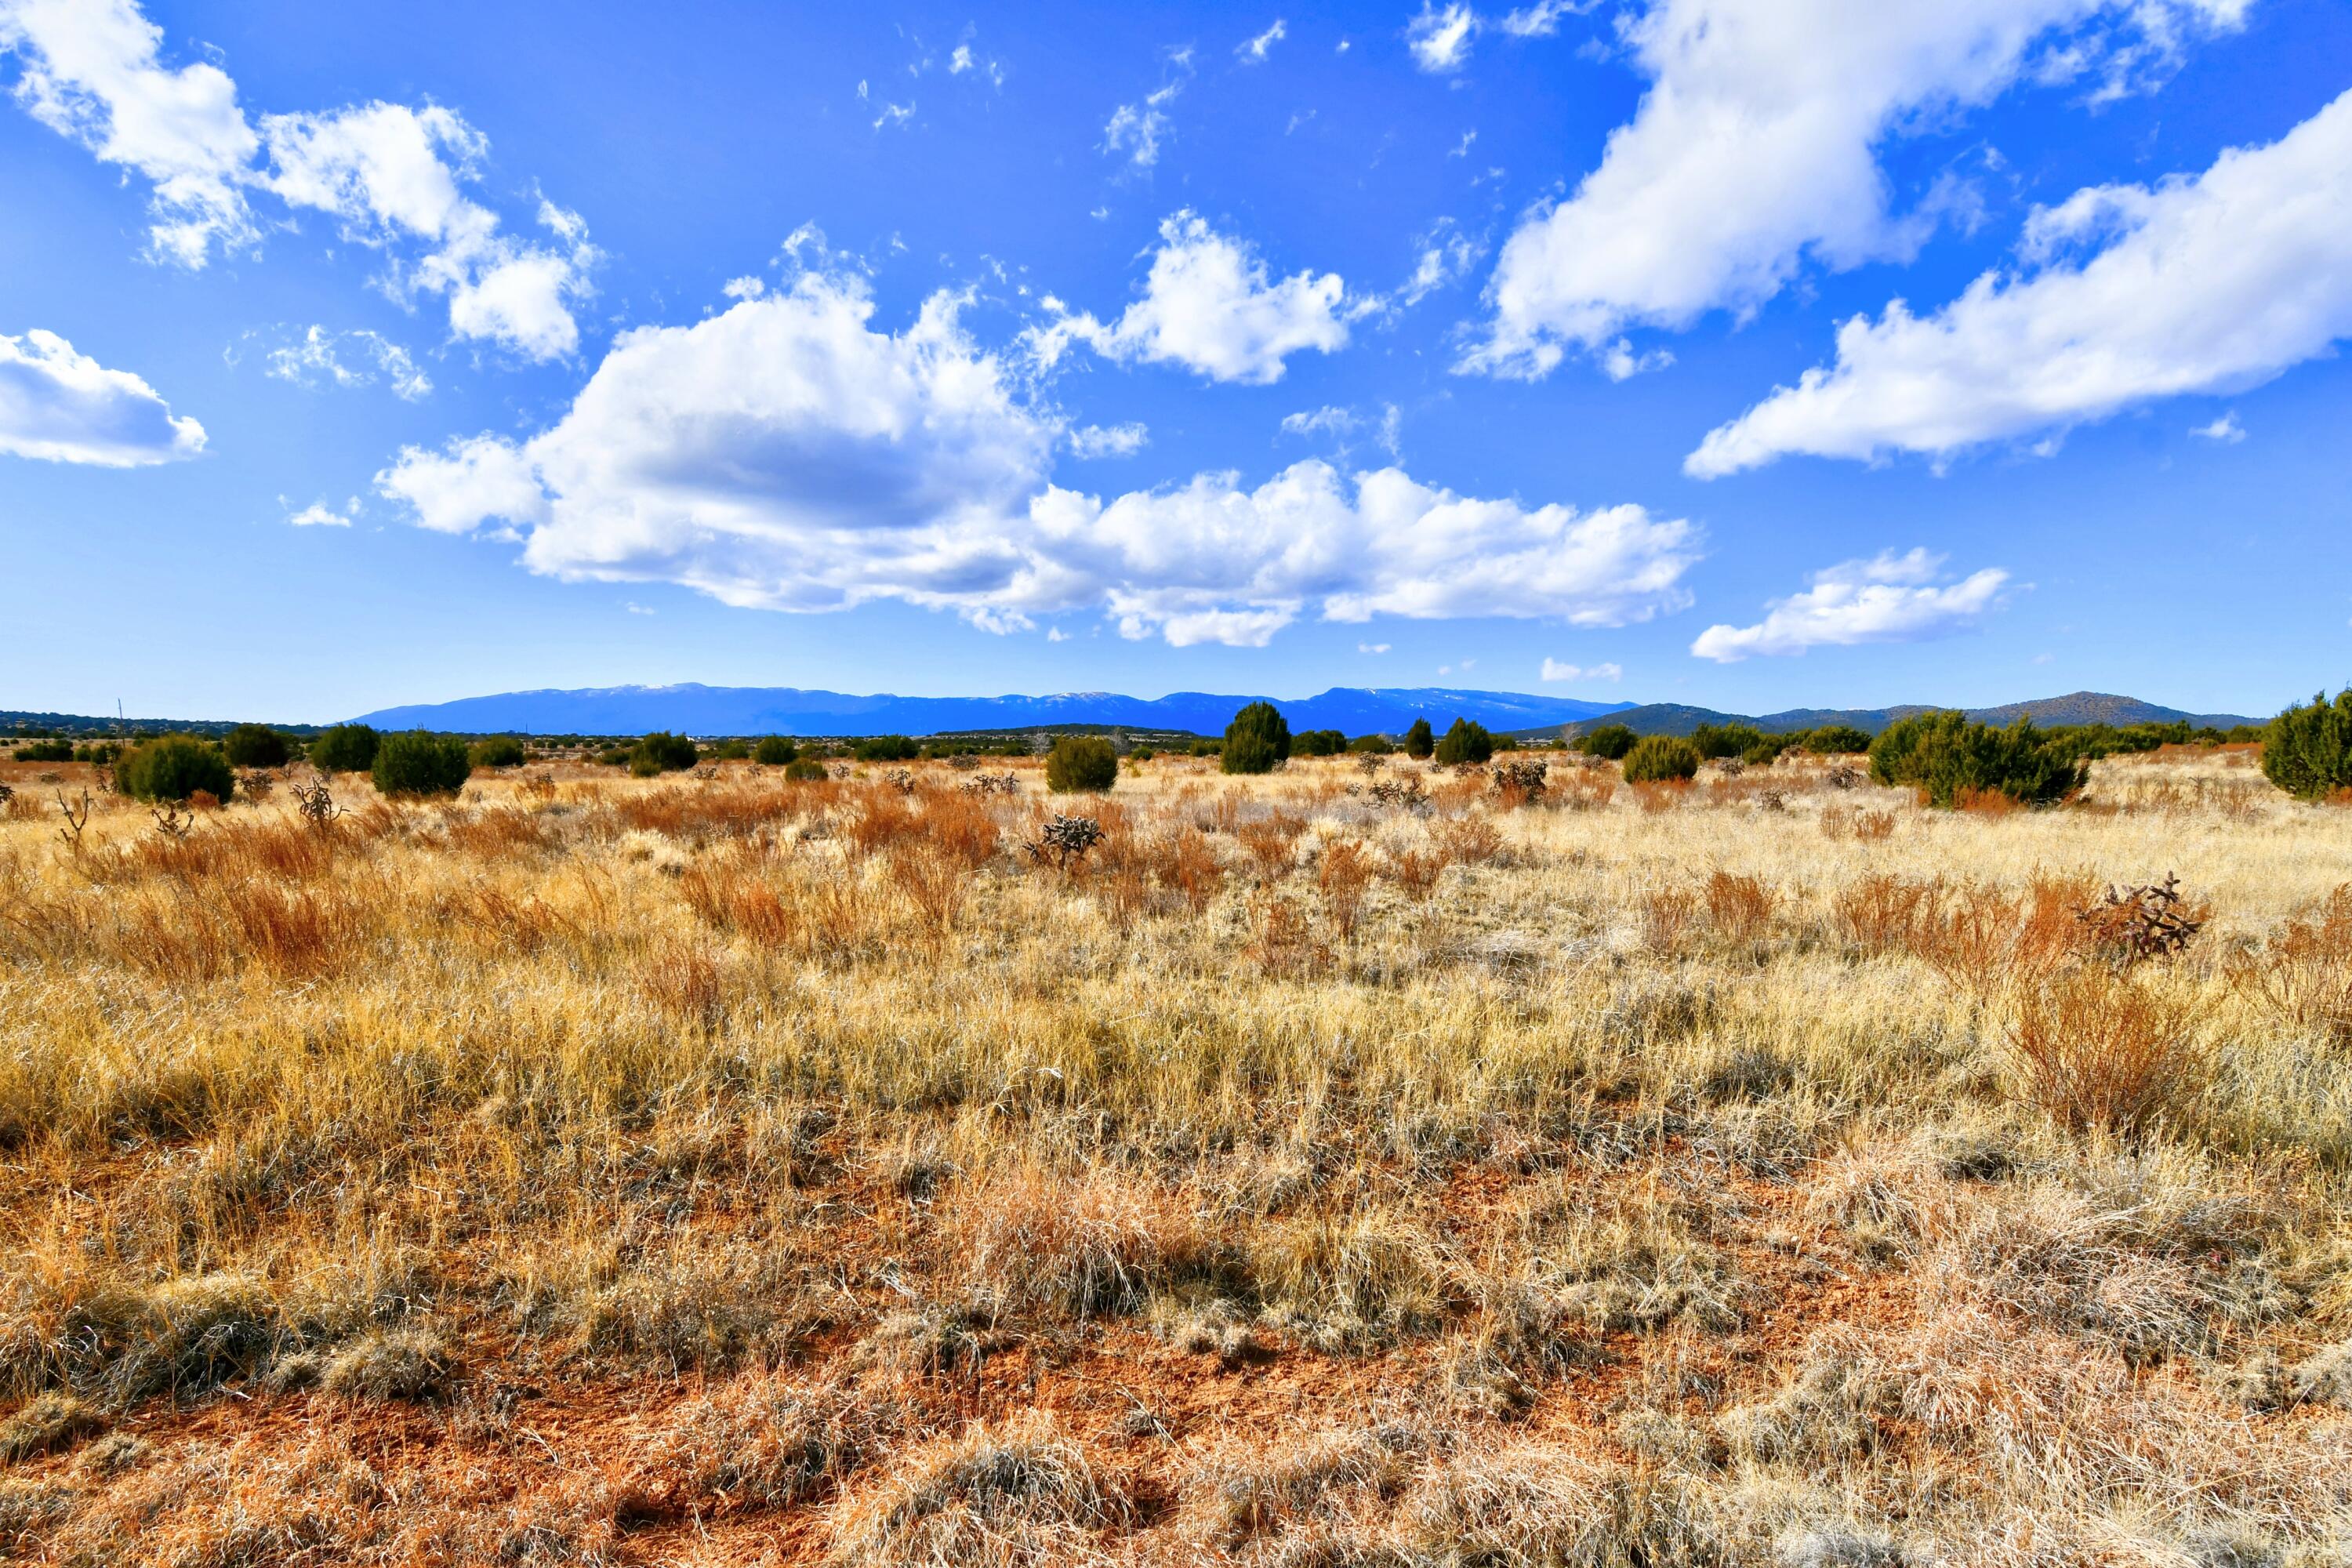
[1365,1162]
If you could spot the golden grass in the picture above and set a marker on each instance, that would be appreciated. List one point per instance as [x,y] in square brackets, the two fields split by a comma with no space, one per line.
[1341,1166]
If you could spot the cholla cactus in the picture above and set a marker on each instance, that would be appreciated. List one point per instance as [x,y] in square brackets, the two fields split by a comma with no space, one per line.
[1065,838]
[314,804]
[1527,776]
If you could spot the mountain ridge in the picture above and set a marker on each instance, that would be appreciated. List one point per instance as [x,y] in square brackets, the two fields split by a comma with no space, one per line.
[2074,708]
[695,708]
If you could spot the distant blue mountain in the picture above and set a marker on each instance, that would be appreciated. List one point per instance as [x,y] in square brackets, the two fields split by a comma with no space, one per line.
[788,711]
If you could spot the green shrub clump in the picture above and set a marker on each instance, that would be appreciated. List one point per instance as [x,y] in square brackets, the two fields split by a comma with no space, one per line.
[1610,740]
[345,749]
[1943,754]
[887,749]
[1317,744]
[1419,740]
[1726,740]
[418,762]
[1656,759]
[731,751]
[174,768]
[1834,740]
[1081,763]
[662,752]
[497,752]
[46,751]
[2307,751]
[1371,745]
[774,751]
[1257,741]
[256,746]
[805,770]
[1466,741]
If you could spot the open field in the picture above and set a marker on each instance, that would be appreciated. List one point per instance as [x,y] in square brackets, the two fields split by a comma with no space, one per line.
[718,1170]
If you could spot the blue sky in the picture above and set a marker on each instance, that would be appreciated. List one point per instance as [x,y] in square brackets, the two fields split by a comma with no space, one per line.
[1746,352]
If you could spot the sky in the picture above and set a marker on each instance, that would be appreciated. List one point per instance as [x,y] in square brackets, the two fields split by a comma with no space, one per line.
[1750,353]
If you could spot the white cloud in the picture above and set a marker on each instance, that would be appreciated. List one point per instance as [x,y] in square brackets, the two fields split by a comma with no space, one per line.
[745,288]
[1137,130]
[1888,599]
[785,455]
[1440,38]
[388,174]
[1540,20]
[1345,426]
[319,514]
[2226,430]
[1108,440]
[1371,647]
[966,61]
[1209,304]
[1755,148]
[1446,256]
[1253,51]
[1555,670]
[65,408]
[318,359]
[2203,284]
[90,72]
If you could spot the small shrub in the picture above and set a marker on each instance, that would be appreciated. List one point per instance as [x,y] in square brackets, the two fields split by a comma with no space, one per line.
[662,752]
[46,751]
[1941,754]
[1372,745]
[1419,740]
[1087,762]
[774,751]
[497,752]
[2096,1051]
[731,751]
[345,749]
[1257,741]
[1465,741]
[256,746]
[174,768]
[1610,740]
[420,763]
[805,771]
[887,749]
[1655,759]
[2307,751]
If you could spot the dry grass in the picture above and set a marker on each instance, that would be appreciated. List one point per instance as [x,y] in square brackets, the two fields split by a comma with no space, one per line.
[723,1170]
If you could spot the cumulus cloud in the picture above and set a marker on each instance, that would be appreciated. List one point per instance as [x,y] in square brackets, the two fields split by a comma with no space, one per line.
[1253,51]
[387,173]
[1555,670]
[61,406]
[787,455]
[91,72]
[1440,37]
[319,514]
[1209,304]
[2210,284]
[390,175]
[356,358]
[2226,430]
[1108,440]
[1890,598]
[1755,148]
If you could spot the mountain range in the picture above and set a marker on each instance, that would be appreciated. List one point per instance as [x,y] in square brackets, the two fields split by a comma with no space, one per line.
[696,710]
[2074,708]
